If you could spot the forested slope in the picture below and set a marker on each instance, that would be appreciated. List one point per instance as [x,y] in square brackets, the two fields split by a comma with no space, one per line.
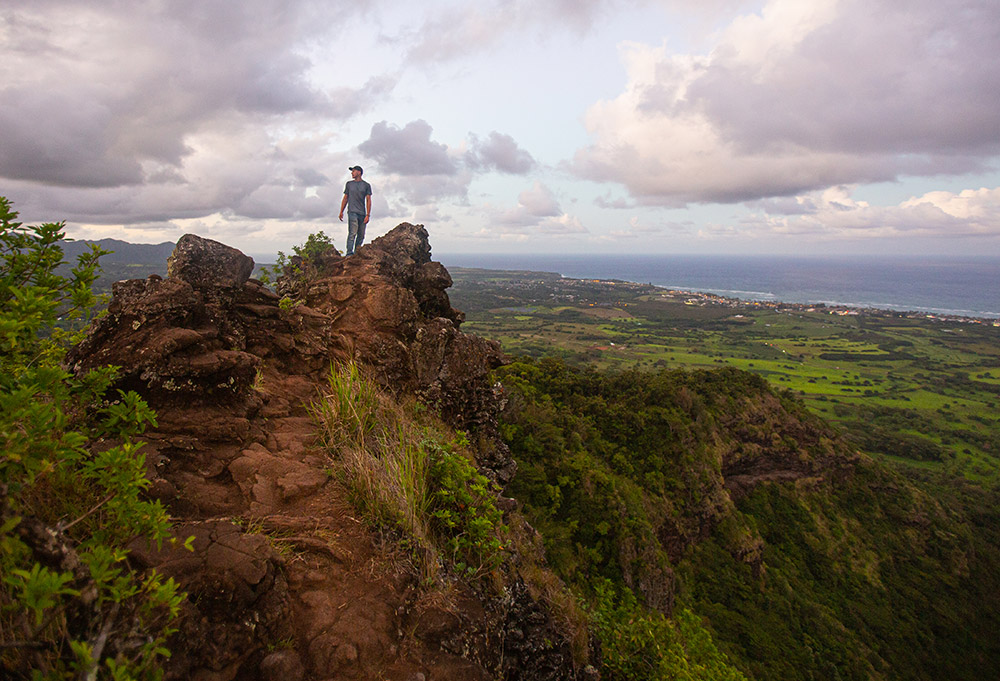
[707,492]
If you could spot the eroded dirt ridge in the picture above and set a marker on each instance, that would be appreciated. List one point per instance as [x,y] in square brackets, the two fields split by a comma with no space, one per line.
[285,582]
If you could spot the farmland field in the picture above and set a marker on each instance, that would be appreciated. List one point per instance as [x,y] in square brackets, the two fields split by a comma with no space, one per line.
[919,391]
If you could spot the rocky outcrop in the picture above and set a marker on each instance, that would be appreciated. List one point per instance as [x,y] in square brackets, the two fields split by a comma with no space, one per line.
[387,302]
[203,333]
[769,444]
[285,582]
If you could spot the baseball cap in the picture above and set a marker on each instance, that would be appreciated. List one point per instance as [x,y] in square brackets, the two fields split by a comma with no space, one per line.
[358,168]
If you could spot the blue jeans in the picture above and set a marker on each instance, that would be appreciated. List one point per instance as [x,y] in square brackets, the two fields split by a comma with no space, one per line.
[355,231]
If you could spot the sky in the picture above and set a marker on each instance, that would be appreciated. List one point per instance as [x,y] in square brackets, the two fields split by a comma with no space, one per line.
[790,127]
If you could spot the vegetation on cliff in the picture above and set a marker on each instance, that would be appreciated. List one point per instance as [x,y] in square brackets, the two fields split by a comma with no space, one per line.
[71,607]
[708,495]
[410,474]
[708,524]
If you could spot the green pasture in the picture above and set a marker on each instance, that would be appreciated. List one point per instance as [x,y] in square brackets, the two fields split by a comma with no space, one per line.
[862,372]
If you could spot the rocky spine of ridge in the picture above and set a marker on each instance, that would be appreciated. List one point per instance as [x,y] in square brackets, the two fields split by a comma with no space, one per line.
[235,459]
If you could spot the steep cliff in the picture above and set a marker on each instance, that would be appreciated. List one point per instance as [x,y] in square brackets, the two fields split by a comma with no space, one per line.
[285,581]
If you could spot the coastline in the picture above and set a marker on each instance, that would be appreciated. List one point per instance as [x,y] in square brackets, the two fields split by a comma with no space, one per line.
[694,296]
[952,288]
[841,309]
[833,308]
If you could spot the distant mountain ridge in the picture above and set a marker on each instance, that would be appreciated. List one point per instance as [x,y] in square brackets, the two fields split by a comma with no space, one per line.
[122,251]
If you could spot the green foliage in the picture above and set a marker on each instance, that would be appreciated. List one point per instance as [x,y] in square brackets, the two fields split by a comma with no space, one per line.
[70,484]
[607,462]
[463,508]
[640,644]
[414,479]
[41,589]
[860,578]
[374,449]
[316,245]
[858,575]
[350,410]
[42,309]
[303,261]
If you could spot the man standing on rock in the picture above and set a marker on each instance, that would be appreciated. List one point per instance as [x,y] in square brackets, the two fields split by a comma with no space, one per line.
[358,202]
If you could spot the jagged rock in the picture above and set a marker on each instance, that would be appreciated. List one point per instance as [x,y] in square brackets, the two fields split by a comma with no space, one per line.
[204,263]
[388,303]
[179,345]
[237,595]
[230,371]
[282,665]
[183,338]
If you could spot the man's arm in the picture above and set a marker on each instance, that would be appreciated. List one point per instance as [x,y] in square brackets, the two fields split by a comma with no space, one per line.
[343,205]
[368,208]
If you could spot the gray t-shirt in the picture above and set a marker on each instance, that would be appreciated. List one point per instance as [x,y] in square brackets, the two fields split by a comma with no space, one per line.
[356,191]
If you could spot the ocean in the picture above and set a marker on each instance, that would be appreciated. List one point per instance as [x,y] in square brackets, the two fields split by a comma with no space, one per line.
[947,286]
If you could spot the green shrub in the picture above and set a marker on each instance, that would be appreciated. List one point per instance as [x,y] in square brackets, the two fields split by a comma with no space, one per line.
[464,511]
[303,262]
[637,644]
[71,482]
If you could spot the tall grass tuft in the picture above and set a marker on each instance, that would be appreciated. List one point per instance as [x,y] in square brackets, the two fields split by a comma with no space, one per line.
[377,450]
[349,411]
[419,480]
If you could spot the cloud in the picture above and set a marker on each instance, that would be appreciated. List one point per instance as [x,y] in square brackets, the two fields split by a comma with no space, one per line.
[411,163]
[835,214]
[607,201]
[498,152]
[419,190]
[310,177]
[537,212]
[461,30]
[801,97]
[346,102]
[427,214]
[785,205]
[237,171]
[142,112]
[561,224]
[533,205]
[408,150]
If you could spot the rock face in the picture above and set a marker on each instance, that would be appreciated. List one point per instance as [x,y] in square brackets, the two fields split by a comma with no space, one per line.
[230,369]
[207,264]
[388,303]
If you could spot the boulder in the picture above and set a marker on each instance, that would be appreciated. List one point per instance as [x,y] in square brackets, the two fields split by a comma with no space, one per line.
[206,264]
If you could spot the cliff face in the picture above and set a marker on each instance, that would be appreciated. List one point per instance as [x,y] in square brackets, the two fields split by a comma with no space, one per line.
[284,581]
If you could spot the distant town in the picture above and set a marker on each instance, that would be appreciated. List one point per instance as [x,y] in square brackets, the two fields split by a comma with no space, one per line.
[551,287]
